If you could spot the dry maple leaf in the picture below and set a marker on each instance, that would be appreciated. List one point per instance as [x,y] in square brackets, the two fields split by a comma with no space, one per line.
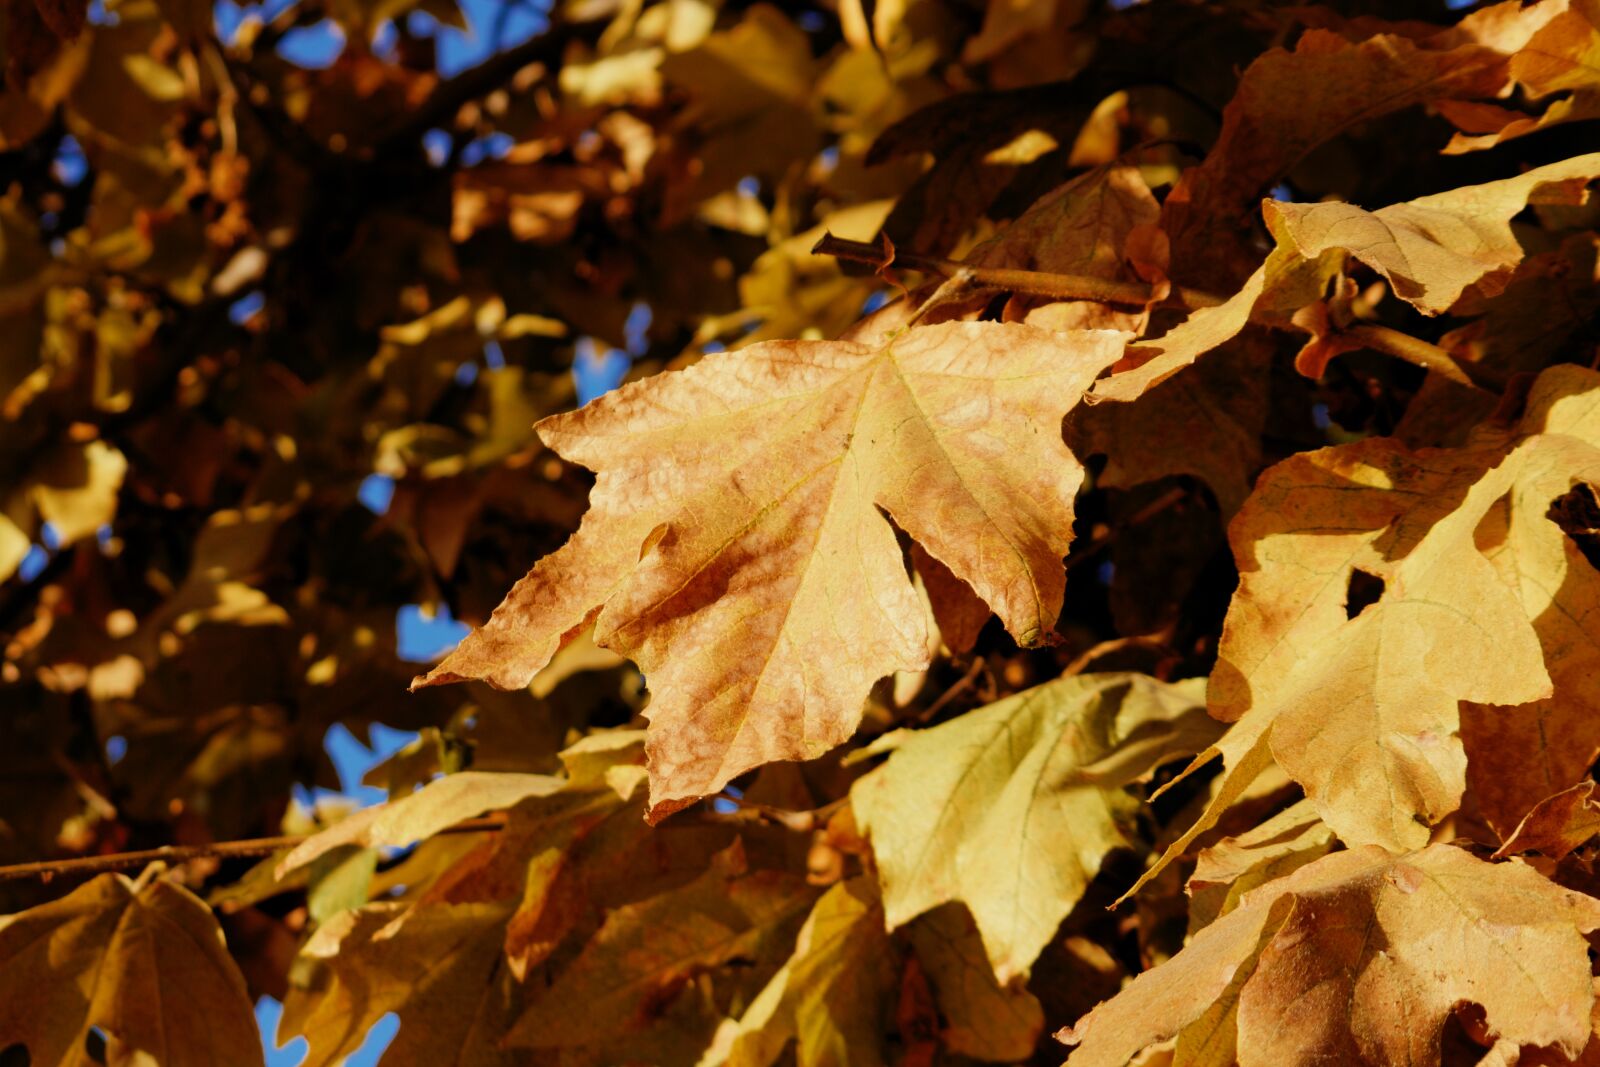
[1082,228]
[645,952]
[1364,700]
[736,545]
[1359,958]
[979,1016]
[1227,870]
[1516,757]
[145,963]
[829,997]
[1556,825]
[1217,410]
[442,967]
[1360,703]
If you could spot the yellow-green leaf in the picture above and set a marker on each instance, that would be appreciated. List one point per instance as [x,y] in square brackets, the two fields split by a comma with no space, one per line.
[1012,808]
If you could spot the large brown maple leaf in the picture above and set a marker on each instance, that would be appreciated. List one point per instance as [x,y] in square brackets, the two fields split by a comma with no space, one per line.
[738,544]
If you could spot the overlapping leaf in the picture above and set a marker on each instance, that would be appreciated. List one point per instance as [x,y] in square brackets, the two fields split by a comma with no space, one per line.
[831,998]
[646,952]
[1011,809]
[1562,55]
[1361,957]
[1361,703]
[439,965]
[1432,250]
[1286,104]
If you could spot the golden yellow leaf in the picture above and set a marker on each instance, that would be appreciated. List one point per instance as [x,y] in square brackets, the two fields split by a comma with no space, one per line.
[1362,958]
[145,963]
[1435,248]
[1287,281]
[14,545]
[981,1017]
[1225,871]
[441,970]
[1012,808]
[1562,54]
[831,998]
[1080,228]
[1223,874]
[1153,362]
[1361,700]
[1206,422]
[1516,757]
[1246,757]
[437,805]
[736,546]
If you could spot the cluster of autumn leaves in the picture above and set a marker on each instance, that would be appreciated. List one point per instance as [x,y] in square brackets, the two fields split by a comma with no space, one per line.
[906,788]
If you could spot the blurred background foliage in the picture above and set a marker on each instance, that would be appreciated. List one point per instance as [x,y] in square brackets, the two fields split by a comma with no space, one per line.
[284,288]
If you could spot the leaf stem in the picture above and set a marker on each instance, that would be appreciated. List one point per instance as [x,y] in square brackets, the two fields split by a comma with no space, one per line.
[1383,339]
[1392,342]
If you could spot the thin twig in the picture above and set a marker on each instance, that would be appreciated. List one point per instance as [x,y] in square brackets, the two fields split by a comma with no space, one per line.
[257,846]
[1149,511]
[802,821]
[1383,339]
[440,108]
[749,812]
[961,685]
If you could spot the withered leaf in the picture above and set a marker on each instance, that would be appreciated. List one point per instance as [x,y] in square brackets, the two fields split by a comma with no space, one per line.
[982,1017]
[1362,700]
[1434,248]
[437,805]
[142,961]
[1082,228]
[1224,872]
[602,767]
[438,965]
[1217,410]
[1557,824]
[735,547]
[1328,954]
[1561,55]
[1516,757]
[645,953]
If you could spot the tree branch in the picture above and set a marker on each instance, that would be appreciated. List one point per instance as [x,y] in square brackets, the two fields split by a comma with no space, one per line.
[1383,339]
[799,821]
[1031,282]
[259,846]
[483,79]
